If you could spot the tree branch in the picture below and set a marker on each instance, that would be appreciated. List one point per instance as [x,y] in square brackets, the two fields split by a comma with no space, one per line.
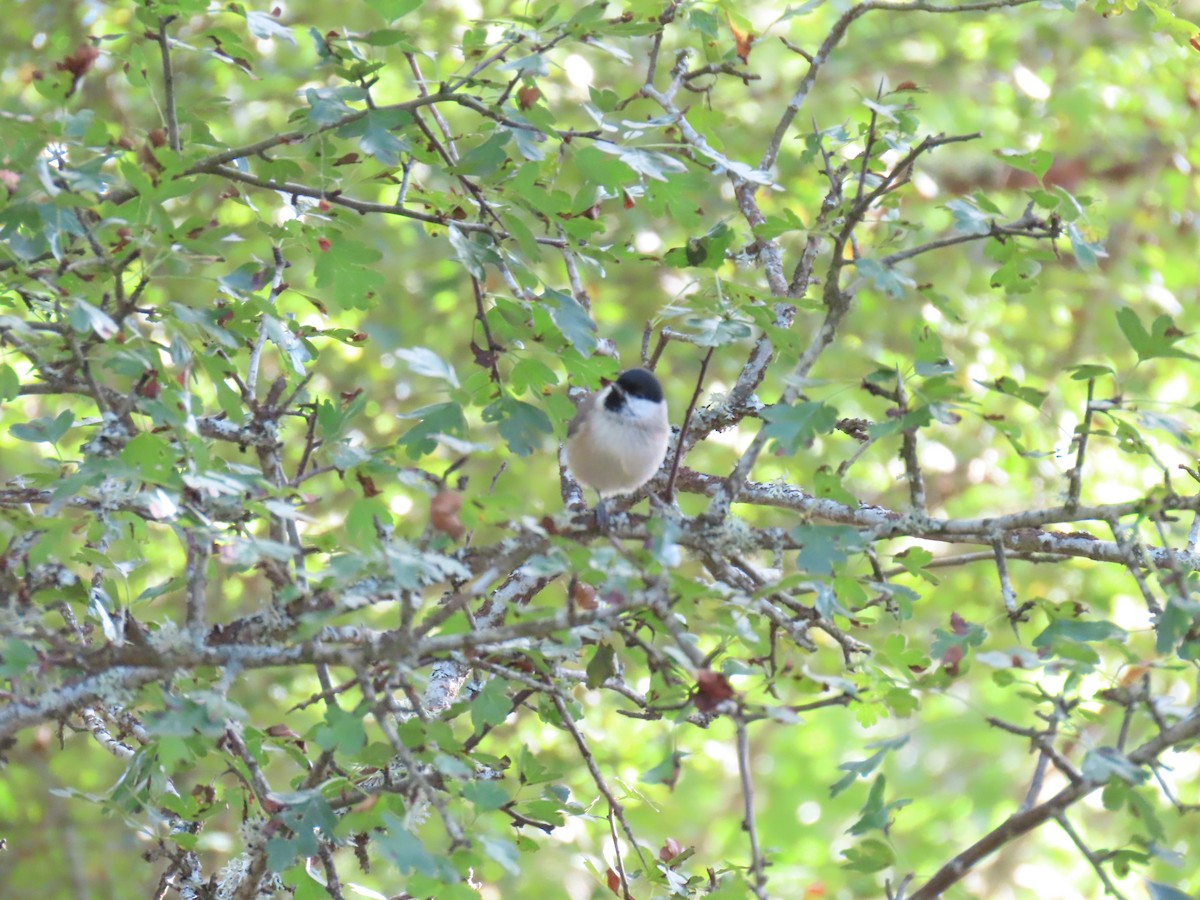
[1022,822]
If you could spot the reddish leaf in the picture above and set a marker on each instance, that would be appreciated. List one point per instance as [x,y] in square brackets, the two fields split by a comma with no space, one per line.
[77,64]
[614,881]
[742,40]
[959,624]
[443,513]
[150,387]
[670,849]
[951,658]
[527,96]
[711,688]
[485,359]
[583,595]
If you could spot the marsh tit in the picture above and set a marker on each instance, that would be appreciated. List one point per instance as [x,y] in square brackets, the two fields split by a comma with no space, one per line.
[618,438]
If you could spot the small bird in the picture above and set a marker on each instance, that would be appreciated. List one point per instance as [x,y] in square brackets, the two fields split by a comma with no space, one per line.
[618,438]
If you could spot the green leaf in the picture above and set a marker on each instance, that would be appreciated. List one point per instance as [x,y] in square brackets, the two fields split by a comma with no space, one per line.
[1084,371]
[471,251]
[326,107]
[716,331]
[10,383]
[825,546]
[152,456]
[281,335]
[1171,625]
[485,795]
[280,853]
[394,9]
[572,320]
[485,158]
[863,767]
[913,419]
[1159,891]
[522,425]
[58,226]
[929,357]
[1007,385]
[1079,631]
[502,851]
[17,657]
[440,418]
[1104,763]
[424,361]
[870,855]
[341,732]
[376,137]
[43,430]
[776,225]
[491,705]
[1036,161]
[891,281]
[1158,342]
[650,163]
[264,26]
[914,560]
[1086,252]
[707,252]
[348,272]
[667,771]
[795,427]
[973,636]
[1181,30]
[407,853]
[876,814]
[830,486]
[600,667]
[85,317]
[531,376]
[968,219]
[1017,275]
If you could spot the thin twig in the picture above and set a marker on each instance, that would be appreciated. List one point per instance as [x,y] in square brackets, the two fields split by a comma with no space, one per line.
[164,43]
[1135,561]
[614,805]
[199,546]
[1092,858]
[669,493]
[834,37]
[1075,476]
[1006,587]
[492,350]
[757,864]
[908,451]
[1022,822]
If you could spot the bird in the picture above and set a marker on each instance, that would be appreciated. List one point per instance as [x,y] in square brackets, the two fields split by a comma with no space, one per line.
[618,438]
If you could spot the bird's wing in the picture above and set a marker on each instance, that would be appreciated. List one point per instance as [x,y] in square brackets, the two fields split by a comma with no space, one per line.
[580,413]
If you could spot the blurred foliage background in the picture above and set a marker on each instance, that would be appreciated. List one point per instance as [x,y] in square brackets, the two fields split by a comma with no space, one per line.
[1087,112]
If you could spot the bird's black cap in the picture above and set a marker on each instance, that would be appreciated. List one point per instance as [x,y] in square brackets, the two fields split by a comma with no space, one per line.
[641,383]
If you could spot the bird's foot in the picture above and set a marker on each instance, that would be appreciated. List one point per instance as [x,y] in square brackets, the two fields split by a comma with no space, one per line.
[602,521]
